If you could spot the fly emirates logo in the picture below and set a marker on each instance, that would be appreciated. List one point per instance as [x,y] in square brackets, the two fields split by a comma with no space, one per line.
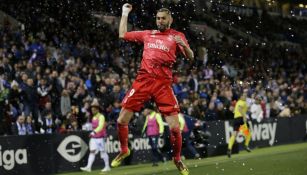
[159,44]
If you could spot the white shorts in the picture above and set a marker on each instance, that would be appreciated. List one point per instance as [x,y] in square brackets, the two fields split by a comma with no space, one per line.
[97,144]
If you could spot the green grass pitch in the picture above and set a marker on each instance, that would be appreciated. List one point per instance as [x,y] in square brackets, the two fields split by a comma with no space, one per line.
[278,160]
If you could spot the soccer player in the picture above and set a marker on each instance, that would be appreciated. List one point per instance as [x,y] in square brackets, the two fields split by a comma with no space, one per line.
[97,139]
[240,124]
[154,79]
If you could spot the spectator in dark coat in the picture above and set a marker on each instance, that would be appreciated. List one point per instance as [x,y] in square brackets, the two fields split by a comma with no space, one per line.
[49,125]
[30,127]
[14,96]
[30,100]
[56,90]
[19,128]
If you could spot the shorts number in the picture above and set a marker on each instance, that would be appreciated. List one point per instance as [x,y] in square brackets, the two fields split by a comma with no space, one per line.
[131,92]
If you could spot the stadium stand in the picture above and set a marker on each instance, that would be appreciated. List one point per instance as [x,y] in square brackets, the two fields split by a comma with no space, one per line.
[63,57]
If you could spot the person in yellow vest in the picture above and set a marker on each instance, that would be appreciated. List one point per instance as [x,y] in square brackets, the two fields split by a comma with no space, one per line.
[97,139]
[240,124]
[153,128]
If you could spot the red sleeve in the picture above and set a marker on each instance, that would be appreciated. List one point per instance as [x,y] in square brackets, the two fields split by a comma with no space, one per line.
[135,36]
[185,41]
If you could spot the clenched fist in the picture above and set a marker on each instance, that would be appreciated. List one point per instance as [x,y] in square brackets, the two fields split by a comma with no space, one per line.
[126,9]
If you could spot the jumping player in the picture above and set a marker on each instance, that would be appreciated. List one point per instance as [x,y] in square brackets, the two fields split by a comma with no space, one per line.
[154,80]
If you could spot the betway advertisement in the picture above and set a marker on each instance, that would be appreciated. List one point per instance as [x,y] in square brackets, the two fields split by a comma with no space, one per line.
[267,133]
[261,132]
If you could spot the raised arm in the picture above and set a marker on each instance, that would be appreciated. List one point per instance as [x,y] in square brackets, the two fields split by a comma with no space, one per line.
[126,9]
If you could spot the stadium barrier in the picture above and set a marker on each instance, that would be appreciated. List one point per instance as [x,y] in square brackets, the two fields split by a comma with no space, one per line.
[270,132]
[56,153]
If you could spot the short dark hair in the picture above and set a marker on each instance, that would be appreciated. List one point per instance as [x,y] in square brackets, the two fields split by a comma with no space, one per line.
[165,10]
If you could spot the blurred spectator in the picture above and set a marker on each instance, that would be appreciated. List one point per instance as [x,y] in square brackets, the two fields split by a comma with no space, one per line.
[56,89]
[78,97]
[65,103]
[19,128]
[113,115]
[3,96]
[15,97]
[181,88]
[75,116]
[30,127]
[256,110]
[193,81]
[207,73]
[186,136]
[285,112]
[48,126]
[43,92]
[62,128]
[73,125]
[30,100]
[211,114]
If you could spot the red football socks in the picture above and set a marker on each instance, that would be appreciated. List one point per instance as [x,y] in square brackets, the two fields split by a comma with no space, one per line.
[176,142]
[123,131]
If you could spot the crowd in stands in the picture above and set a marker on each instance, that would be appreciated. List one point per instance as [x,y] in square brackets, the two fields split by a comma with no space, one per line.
[51,71]
[259,23]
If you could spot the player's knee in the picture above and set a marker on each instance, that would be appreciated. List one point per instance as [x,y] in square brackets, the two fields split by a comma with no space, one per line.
[174,126]
[124,116]
[172,121]
[122,121]
[175,130]
[169,111]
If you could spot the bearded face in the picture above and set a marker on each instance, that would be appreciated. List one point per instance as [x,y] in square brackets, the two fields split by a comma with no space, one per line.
[163,21]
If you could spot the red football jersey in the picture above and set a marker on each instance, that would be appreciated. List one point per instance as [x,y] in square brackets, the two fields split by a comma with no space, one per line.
[159,52]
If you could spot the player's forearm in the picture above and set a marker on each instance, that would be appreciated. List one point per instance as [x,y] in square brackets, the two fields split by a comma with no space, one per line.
[123,26]
[189,53]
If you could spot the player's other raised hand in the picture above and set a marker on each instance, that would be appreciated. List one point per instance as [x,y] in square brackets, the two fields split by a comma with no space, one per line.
[179,41]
